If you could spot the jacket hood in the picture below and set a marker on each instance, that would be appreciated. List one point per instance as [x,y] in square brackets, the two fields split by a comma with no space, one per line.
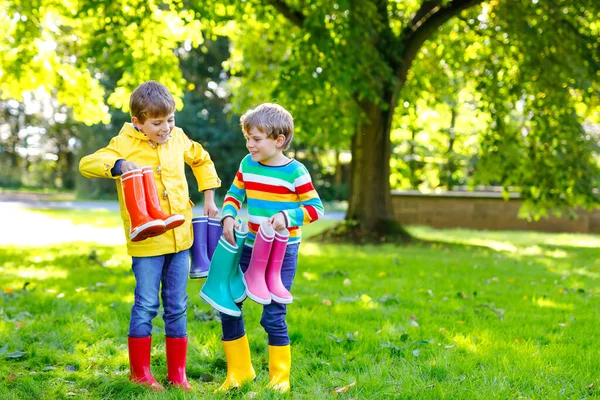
[129,130]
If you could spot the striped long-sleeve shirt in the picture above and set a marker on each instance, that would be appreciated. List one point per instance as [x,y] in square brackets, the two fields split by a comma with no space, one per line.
[272,189]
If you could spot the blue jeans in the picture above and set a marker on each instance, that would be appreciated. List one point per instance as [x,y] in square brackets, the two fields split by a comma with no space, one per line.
[170,270]
[273,316]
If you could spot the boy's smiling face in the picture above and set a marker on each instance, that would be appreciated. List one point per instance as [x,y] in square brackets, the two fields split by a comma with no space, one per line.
[158,129]
[264,149]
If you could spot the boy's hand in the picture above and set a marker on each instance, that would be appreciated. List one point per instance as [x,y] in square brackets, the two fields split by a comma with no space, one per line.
[127,166]
[210,208]
[278,222]
[228,225]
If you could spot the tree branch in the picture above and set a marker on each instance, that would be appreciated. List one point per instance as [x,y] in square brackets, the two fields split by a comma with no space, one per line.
[295,17]
[415,36]
[423,13]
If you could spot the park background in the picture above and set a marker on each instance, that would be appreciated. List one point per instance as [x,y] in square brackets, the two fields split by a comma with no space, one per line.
[459,98]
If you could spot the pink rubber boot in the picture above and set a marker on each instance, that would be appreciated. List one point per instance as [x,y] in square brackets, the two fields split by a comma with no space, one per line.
[279,293]
[254,277]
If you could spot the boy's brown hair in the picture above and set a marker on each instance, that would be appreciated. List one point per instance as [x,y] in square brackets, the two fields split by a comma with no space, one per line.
[151,99]
[272,120]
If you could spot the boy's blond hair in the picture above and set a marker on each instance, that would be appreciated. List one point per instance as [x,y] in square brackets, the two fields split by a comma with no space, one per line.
[272,120]
[151,99]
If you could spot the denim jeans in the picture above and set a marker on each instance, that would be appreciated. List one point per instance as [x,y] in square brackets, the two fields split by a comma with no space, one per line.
[273,316]
[170,270]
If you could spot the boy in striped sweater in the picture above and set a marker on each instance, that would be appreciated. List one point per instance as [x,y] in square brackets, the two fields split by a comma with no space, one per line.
[279,190]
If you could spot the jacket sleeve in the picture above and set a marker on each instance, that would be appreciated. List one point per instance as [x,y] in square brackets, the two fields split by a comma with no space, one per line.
[311,207]
[202,166]
[235,195]
[99,164]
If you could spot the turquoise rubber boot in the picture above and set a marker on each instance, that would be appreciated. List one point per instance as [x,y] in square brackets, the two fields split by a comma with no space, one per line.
[216,289]
[237,287]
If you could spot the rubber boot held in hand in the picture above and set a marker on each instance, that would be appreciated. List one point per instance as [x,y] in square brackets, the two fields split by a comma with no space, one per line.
[215,231]
[254,277]
[153,202]
[237,287]
[216,288]
[279,293]
[143,225]
[199,257]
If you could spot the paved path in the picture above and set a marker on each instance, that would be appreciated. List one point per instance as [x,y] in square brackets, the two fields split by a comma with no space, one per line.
[21,226]
[41,202]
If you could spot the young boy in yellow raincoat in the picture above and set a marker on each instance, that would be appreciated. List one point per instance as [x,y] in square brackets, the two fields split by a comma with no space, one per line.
[146,159]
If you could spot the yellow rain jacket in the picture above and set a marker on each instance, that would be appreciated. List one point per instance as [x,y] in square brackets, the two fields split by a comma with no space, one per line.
[167,161]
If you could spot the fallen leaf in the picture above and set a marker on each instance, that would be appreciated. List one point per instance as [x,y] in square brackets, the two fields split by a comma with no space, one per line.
[344,388]
[16,354]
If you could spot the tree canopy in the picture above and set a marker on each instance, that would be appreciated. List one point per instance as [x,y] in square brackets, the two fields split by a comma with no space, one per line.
[355,74]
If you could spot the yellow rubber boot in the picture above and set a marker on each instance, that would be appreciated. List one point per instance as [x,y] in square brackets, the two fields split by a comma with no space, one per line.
[239,366]
[280,361]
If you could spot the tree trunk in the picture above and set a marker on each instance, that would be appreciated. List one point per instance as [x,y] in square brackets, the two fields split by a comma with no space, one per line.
[370,201]
[451,166]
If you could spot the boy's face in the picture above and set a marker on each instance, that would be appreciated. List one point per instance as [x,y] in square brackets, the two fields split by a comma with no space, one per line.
[263,148]
[158,129]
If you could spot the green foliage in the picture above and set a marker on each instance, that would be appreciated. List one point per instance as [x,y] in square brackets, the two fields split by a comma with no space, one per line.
[65,49]
[500,87]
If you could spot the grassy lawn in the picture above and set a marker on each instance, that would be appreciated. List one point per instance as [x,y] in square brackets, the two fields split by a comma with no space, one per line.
[464,315]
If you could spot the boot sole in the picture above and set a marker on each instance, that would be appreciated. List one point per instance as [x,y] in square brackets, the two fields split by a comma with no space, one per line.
[199,275]
[144,231]
[281,300]
[174,221]
[220,308]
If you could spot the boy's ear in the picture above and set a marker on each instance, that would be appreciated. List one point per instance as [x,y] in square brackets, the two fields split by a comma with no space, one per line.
[280,140]
[136,123]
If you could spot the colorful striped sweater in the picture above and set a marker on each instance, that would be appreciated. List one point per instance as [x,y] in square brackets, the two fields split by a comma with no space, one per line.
[272,189]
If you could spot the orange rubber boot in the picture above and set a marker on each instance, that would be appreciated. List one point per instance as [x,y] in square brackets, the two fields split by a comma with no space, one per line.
[153,202]
[142,225]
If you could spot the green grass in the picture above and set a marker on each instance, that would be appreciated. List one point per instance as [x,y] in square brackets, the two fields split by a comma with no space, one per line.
[465,315]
